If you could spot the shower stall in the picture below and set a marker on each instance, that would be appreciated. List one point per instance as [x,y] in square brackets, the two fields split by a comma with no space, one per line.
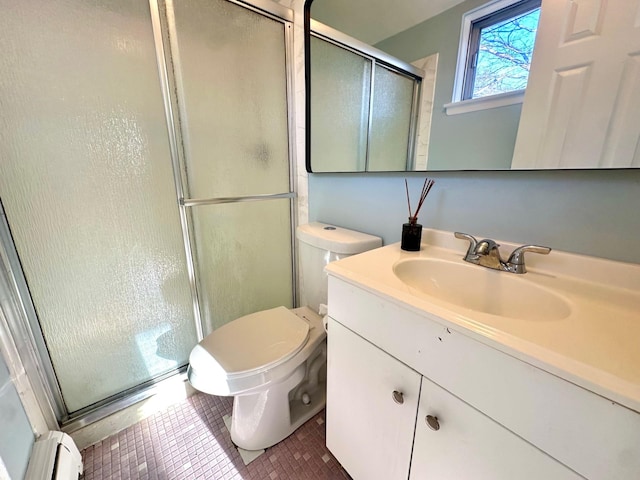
[146,185]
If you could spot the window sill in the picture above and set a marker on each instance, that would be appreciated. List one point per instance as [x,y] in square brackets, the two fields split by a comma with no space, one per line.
[484,103]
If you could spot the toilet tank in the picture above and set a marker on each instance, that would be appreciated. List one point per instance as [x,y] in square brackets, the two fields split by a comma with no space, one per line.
[320,244]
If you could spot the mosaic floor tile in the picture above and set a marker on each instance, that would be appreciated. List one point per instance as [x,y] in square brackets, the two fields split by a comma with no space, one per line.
[190,441]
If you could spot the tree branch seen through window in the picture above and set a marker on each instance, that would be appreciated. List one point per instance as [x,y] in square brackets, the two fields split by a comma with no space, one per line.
[500,50]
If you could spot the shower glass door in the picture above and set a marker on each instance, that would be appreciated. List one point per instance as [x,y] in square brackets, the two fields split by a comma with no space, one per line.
[230,78]
[88,188]
[108,175]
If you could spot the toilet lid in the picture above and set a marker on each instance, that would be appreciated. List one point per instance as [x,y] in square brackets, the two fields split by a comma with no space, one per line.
[257,341]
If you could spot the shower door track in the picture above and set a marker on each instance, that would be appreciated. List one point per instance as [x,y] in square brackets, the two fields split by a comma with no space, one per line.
[124,399]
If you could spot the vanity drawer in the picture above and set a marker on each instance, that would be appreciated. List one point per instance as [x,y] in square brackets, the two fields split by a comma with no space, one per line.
[591,435]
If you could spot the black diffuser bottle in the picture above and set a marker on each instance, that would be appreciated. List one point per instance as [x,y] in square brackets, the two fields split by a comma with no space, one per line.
[412,230]
[411,236]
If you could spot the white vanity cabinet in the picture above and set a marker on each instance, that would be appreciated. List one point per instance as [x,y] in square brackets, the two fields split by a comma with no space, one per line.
[372,403]
[372,400]
[500,418]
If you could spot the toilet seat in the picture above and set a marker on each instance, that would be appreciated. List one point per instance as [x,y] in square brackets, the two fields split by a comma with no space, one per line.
[250,345]
[226,363]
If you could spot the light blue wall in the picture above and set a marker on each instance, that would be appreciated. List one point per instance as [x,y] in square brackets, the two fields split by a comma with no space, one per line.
[16,435]
[595,212]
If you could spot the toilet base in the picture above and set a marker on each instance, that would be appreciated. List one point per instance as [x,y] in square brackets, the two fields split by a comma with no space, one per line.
[263,419]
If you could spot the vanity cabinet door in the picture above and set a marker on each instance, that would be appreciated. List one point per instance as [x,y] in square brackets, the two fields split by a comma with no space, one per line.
[372,400]
[459,442]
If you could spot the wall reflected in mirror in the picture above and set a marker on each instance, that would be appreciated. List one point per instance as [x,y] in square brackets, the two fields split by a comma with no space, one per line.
[585,111]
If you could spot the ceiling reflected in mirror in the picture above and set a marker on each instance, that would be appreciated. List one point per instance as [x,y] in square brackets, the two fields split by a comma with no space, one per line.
[361,19]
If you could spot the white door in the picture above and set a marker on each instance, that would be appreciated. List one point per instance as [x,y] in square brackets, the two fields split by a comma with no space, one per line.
[369,428]
[582,104]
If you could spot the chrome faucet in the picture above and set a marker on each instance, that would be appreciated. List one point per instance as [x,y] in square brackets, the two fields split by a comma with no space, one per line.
[486,253]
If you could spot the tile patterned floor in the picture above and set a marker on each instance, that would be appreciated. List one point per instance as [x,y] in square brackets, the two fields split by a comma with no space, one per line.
[189,441]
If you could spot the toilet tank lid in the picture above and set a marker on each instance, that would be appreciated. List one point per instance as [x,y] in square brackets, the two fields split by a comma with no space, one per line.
[336,239]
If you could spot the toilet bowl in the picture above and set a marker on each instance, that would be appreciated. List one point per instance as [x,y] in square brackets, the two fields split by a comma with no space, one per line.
[280,348]
[273,362]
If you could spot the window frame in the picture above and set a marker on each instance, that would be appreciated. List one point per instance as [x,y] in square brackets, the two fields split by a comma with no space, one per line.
[472,22]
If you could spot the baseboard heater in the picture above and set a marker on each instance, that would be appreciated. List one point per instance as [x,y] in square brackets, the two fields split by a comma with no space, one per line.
[54,457]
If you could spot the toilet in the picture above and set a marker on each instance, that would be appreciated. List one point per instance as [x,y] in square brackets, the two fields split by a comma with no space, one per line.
[273,362]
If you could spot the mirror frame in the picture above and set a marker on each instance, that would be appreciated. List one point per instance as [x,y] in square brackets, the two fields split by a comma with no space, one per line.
[307,81]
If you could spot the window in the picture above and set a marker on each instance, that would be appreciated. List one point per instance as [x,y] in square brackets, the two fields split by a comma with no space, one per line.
[496,47]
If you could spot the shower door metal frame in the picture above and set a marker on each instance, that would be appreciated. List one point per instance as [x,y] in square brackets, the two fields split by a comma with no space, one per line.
[161,32]
[20,334]
[21,328]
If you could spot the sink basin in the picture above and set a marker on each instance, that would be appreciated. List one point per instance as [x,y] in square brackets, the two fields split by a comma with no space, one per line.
[482,289]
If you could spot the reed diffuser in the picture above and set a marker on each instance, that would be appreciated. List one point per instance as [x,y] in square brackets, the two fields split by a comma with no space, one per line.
[412,231]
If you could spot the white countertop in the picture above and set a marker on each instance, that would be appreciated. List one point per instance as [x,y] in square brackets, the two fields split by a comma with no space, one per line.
[597,346]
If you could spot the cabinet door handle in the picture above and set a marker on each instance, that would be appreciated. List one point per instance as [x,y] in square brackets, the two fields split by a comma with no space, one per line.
[398,397]
[433,423]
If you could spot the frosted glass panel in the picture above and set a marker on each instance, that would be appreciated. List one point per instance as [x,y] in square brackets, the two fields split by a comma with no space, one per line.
[231,77]
[392,102]
[244,257]
[339,108]
[88,190]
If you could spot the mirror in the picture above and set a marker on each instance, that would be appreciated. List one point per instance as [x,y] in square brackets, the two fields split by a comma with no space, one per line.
[580,110]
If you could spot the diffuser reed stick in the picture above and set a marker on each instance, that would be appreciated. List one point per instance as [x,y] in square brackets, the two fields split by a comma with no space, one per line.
[426,188]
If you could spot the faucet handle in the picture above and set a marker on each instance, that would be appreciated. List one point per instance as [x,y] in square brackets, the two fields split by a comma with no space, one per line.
[472,242]
[516,259]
